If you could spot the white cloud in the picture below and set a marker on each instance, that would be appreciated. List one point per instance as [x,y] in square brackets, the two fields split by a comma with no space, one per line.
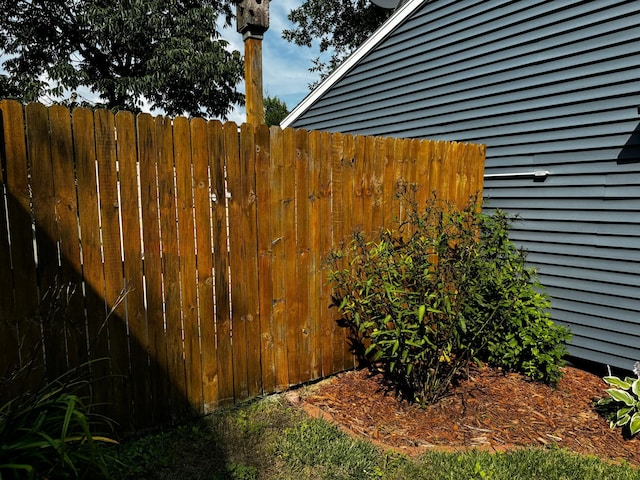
[285,66]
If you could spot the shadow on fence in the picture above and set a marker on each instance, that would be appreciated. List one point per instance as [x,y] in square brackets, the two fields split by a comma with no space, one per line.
[216,234]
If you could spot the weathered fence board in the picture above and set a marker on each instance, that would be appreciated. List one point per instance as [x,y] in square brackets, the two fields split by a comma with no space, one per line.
[147,142]
[9,352]
[314,278]
[278,209]
[26,331]
[265,263]
[195,250]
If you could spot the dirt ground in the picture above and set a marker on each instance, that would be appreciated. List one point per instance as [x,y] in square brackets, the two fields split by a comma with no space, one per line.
[490,410]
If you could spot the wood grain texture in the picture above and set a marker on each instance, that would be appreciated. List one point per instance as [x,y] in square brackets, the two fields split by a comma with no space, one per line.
[199,248]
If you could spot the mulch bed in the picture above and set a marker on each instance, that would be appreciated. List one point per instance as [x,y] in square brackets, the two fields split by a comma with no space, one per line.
[490,410]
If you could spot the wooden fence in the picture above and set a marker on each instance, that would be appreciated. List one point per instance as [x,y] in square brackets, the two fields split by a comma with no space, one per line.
[217,235]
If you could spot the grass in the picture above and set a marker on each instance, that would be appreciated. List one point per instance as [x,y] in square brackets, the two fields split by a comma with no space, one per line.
[268,439]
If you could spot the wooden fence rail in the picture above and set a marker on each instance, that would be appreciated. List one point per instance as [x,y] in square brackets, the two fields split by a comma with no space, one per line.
[216,235]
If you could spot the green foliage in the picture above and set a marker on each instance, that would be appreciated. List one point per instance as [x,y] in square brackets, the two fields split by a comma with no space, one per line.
[625,398]
[52,433]
[339,27]
[165,51]
[275,110]
[446,288]
[523,336]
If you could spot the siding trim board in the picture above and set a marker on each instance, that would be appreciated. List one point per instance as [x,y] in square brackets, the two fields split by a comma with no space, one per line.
[549,85]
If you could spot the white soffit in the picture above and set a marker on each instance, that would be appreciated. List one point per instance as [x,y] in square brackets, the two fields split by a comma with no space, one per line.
[399,16]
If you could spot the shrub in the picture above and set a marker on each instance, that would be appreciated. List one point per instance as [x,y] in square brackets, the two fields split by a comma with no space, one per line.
[445,288]
[523,337]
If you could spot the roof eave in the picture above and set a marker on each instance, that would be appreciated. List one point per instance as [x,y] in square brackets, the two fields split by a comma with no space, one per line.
[399,16]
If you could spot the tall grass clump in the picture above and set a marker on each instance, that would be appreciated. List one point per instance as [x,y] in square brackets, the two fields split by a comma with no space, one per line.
[445,288]
[51,431]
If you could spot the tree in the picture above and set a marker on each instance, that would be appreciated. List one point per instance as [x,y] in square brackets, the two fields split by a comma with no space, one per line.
[275,110]
[165,52]
[340,26]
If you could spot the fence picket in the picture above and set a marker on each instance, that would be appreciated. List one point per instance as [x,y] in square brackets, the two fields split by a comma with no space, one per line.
[401,184]
[63,166]
[291,298]
[204,260]
[132,267]
[314,278]
[186,246]
[171,269]
[390,212]
[279,206]
[25,303]
[92,271]
[370,176]
[158,365]
[251,311]
[221,267]
[236,261]
[379,155]
[112,262]
[265,271]
[437,183]
[301,317]
[352,214]
[8,327]
[334,221]
[44,215]
[425,157]
[476,171]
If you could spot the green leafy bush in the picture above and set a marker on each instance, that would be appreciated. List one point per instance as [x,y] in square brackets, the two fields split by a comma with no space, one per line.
[522,336]
[445,288]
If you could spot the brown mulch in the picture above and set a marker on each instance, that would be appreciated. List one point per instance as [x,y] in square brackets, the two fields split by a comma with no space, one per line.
[490,410]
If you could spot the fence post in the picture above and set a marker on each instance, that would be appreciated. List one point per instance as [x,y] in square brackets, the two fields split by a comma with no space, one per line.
[252,21]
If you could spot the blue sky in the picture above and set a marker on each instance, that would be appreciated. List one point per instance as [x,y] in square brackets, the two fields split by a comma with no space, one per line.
[285,66]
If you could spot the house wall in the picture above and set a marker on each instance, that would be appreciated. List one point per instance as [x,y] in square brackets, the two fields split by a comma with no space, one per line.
[547,86]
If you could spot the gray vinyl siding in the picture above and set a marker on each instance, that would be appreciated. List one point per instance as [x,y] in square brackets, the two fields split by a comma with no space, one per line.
[547,86]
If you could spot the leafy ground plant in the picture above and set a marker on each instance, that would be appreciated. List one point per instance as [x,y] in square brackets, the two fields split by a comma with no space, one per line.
[51,433]
[624,399]
[445,288]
